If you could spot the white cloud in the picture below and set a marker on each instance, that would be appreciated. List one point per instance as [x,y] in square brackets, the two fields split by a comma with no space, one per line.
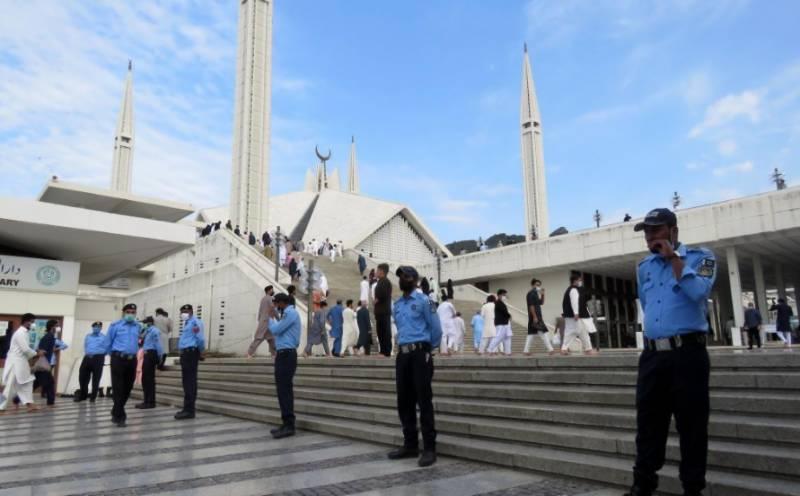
[696,88]
[746,104]
[741,167]
[694,165]
[727,147]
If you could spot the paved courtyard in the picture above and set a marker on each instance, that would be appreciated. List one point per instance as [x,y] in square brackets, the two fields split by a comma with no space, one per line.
[75,450]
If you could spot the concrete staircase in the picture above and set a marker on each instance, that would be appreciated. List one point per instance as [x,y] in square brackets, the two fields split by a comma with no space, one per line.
[571,416]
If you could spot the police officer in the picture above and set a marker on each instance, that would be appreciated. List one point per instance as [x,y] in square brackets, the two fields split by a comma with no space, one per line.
[151,345]
[95,345]
[191,344]
[287,339]
[418,332]
[674,283]
[123,344]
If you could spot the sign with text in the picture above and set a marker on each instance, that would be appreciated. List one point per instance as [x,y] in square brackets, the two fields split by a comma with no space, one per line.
[37,274]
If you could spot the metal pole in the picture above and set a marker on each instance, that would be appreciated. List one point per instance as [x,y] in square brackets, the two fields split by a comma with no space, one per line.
[277,252]
[438,268]
[309,295]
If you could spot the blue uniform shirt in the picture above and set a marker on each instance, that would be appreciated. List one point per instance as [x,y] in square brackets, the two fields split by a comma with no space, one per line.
[286,330]
[123,337]
[477,324]
[673,307]
[336,318]
[152,340]
[192,334]
[416,320]
[95,344]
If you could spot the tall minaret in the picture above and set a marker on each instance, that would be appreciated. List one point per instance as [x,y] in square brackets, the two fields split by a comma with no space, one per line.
[123,140]
[251,129]
[533,179]
[352,180]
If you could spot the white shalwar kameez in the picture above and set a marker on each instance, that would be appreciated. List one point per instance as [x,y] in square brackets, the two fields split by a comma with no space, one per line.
[364,297]
[576,328]
[349,330]
[17,375]
[489,330]
[447,315]
[460,329]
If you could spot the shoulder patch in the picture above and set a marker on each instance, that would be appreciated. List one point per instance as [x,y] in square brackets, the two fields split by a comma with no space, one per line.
[707,267]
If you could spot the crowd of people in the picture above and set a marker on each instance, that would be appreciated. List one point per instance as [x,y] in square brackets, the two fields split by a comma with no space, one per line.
[136,349]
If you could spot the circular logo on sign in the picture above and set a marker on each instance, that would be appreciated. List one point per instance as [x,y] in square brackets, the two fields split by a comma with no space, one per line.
[48,275]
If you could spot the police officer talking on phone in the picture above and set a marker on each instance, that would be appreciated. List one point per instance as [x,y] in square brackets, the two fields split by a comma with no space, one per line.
[418,332]
[674,283]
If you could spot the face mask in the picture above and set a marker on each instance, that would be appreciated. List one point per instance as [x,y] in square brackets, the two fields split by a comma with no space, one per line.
[58,329]
[184,316]
[407,285]
[96,330]
[580,284]
[129,317]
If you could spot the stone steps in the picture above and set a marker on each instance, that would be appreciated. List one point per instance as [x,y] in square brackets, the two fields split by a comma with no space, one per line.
[500,442]
[567,415]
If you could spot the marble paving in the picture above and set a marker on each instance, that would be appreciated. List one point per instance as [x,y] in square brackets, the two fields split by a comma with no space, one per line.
[75,450]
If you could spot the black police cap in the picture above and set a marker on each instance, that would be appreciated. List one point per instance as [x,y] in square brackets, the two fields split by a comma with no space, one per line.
[186,307]
[129,306]
[407,271]
[98,323]
[148,320]
[657,217]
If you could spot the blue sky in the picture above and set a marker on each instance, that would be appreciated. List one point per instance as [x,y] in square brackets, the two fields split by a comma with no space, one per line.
[638,99]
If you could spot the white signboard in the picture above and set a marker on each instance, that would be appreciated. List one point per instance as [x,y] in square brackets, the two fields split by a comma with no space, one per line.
[36,274]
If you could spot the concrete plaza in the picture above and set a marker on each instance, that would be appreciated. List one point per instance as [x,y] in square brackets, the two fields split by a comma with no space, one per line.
[74,449]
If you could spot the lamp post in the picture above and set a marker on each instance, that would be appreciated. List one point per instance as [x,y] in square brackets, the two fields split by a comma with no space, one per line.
[438,267]
[777,178]
[310,292]
[597,218]
[676,200]
[277,253]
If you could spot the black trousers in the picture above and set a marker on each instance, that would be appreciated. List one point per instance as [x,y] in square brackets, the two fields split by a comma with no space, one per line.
[753,336]
[91,366]
[189,361]
[149,365]
[414,373]
[672,383]
[48,385]
[285,367]
[123,374]
[383,327]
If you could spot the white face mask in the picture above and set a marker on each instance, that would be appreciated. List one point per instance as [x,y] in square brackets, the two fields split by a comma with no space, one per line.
[58,329]
[184,316]
[580,284]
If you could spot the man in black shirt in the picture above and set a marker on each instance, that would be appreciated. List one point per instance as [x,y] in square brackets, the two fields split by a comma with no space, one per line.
[383,310]
[502,324]
[783,324]
[536,325]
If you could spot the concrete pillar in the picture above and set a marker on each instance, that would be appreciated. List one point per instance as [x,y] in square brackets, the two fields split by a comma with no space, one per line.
[797,295]
[780,285]
[760,293]
[736,295]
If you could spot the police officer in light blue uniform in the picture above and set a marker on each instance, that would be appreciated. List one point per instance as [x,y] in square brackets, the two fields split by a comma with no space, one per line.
[95,346]
[151,345]
[287,339]
[674,284]
[191,344]
[123,344]
[418,333]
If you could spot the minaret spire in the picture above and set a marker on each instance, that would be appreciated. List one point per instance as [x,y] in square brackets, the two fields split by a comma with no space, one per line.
[124,139]
[352,181]
[533,179]
[249,198]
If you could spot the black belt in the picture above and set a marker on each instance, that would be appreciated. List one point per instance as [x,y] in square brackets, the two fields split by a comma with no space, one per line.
[191,348]
[95,355]
[122,355]
[151,351]
[675,342]
[287,350]
[420,345]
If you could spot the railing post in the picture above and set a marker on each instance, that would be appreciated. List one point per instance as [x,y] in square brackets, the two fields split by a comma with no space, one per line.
[277,253]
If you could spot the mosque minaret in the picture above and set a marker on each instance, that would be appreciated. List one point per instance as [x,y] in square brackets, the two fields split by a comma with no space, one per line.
[533,180]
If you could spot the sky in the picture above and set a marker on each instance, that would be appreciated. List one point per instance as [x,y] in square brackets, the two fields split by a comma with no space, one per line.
[639,99]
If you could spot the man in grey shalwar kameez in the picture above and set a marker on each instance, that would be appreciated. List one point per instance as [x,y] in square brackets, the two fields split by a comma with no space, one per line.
[316,331]
[266,310]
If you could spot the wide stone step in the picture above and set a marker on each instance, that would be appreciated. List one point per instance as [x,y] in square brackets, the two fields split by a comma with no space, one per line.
[752,402]
[722,426]
[605,468]
[719,380]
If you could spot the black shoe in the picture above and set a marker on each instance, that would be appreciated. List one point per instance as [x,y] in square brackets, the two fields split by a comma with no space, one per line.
[403,452]
[184,415]
[283,431]
[276,429]
[118,422]
[427,459]
[91,400]
[78,399]
[145,406]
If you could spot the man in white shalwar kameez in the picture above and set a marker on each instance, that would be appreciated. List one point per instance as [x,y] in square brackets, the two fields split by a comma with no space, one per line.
[364,297]
[447,315]
[17,375]
[349,329]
